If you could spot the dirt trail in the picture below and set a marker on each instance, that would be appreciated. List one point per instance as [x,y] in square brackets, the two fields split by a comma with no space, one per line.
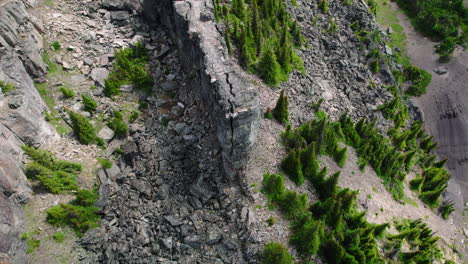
[444,106]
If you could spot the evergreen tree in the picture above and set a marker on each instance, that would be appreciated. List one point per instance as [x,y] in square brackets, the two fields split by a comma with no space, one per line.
[329,186]
[269,68]
[340,156]
[281,109]
[323,5]
[292,167]
[307,238]
[246,56]
[238,9]
[432,198]
[416,184]
[275,253]
[310,164]
[273,186]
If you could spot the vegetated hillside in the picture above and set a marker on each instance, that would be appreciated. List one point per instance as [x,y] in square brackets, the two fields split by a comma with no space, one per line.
[350,67]
[444,21]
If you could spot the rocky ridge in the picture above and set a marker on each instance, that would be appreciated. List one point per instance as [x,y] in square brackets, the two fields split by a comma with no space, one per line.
[21,120]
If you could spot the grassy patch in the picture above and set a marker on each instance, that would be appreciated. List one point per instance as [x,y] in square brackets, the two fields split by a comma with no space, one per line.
[387,16]
[59,237]
[130,67]
[57,176]
[80,215]
[6,87]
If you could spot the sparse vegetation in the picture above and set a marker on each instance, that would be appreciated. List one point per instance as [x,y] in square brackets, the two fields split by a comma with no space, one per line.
[444,21]
[58,237]
[66,92]
[118,125]
[83,129]
[80,214]
[275,253]
[106,164]
[6,87]
[57,176]
[56,46]
[88,103]
[420,80]
[129,68]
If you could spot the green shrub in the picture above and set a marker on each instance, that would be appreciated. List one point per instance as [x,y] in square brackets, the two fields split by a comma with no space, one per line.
[6,87]
[32,245]
[85,197]
[273,186]
[432,198]
[416,184]
[307,237]
[446,208]
[58,237]
[66,92]
[106,164]
[268,115]
[129,68]
[329,186]
[420,80]
[119,127]
[79,218]
[118,151]
[269,69]
[291,165]
[82,128]
[281,110]
[293,204]
[89,104]
[323,5]
[274,253]
[133,116]
[340,157]
[56,46]
[375,65]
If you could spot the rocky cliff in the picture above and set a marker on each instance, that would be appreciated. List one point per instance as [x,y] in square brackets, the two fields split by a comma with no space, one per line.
[231,100]
[21,118]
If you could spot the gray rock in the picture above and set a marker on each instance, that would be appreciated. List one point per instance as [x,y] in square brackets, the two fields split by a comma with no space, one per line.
[173,221]
[168,86]
[106,133]
[99,75]
[193,241]
[120,15]
[388,50]
[167,242]
[441,70]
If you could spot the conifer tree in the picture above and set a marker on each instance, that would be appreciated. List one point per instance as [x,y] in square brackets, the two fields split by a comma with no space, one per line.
[310,164]
[227,38]
[238,9]
[292,167]
[273,186]
[340,156]
[432,198]
[416,183]
[246,57]
[308,237]
[329,186]
[281,109]
[269,68]
[323,4]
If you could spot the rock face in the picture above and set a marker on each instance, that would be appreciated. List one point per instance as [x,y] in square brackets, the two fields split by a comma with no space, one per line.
[232,102]
[21,120]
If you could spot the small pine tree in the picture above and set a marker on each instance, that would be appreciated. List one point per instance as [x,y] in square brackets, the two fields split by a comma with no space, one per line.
[310,164]
[269,68]
[89,104]
[416,184]
[274,253]
[281,109]
[329,186]
[308,237]
[82,128]
[340,156]
[323,5]
[273,186]
[432,198]
[292,167]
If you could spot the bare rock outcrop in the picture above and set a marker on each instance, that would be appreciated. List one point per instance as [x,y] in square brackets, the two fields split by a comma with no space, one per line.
[232,100]
[21,119]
